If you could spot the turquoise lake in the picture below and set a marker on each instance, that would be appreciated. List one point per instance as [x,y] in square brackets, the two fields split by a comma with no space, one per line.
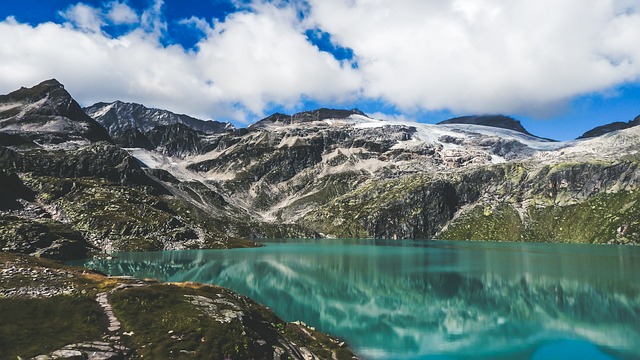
[430,300]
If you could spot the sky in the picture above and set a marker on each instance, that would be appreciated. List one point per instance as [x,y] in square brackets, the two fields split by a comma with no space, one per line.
[561,67]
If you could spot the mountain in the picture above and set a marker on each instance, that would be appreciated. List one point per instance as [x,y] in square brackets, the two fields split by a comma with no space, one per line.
[45,113]
[360,177]
[306,116]
[68,191]
[134,125]
[611,127]
[118,115]
[324,172]
[353,176]
[498,121]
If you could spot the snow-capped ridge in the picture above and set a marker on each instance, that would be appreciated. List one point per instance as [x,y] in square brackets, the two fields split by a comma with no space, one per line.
[306,117]
[118,116]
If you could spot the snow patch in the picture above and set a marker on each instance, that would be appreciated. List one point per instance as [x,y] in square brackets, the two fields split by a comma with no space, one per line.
[291,141]
[9,106]
[102,111]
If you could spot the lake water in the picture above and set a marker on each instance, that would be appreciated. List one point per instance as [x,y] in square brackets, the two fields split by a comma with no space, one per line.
[430,300]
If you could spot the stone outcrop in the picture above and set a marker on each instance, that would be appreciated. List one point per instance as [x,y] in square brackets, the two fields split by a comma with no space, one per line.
[498,121]
[611,127]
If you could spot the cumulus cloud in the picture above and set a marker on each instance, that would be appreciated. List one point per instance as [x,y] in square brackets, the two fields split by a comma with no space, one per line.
[243,64]
[83,17]
[485,55]
[275,64]
[120,13]
[465,56]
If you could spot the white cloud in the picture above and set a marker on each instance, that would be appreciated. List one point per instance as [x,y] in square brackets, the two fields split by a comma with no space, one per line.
[119,13]
[468,56]
[84,17]
[485,55]
[152,21]
[263,57]
[391,117]
[243,64]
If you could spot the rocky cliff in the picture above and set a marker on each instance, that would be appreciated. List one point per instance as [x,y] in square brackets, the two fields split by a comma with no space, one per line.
[497,121]
[136,126]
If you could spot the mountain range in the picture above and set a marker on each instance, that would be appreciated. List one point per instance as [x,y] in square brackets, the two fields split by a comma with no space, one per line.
[120,176]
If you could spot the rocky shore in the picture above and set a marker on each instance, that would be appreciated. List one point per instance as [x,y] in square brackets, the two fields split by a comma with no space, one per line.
[81,314]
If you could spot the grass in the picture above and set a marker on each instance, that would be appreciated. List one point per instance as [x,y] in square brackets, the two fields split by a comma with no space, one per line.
[500,222]
[167,325]
[160,314]
[602,218]
[32,327]
[595,220]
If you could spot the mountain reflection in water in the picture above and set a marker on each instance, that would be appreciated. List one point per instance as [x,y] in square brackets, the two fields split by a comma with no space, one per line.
[435,300]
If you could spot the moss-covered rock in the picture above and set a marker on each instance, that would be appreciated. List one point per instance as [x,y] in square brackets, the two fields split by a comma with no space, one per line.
[411,207]
[189,321]
[43,237]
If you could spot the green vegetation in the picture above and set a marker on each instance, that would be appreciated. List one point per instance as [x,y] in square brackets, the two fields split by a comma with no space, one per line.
[160,314]
[603,218]
[191,321]
[36,326]
[485,222]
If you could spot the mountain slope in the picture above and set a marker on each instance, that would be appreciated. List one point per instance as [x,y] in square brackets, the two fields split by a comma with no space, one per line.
[359,177]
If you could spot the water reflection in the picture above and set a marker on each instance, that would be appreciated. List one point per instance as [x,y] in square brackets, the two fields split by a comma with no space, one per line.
[422,300]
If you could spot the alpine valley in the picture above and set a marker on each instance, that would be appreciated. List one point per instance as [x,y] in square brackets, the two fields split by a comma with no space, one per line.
[122,177]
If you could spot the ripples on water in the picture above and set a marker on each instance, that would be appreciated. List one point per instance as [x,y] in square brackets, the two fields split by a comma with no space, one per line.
[431,300]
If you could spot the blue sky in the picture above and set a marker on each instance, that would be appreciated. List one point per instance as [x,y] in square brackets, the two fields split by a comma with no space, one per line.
[561,67]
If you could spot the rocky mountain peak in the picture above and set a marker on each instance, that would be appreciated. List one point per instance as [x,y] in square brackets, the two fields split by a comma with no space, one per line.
[46,113]
[37,92]
[118,116]
[307,116]
[614,126]
[497,121]
[133,125]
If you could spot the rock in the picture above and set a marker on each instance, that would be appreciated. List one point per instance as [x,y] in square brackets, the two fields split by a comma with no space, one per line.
[68,355]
